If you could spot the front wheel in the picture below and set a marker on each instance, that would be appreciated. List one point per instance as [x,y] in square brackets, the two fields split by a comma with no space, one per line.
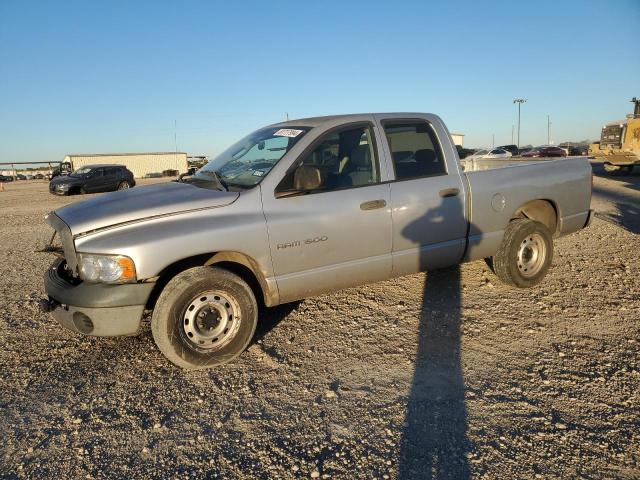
[124,185]
[204,317]
[525,255]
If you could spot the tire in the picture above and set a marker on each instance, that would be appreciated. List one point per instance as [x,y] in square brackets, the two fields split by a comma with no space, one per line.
[611,168]
[204,317]
[525,255]
[124,185]
[628,170]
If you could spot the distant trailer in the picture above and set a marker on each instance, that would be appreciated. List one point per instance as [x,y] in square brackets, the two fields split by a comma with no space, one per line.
[458,139]
[141,164]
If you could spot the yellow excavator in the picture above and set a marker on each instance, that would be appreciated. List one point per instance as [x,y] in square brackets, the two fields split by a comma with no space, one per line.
[619,147]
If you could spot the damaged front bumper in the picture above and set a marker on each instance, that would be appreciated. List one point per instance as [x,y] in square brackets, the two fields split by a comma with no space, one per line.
[94,308]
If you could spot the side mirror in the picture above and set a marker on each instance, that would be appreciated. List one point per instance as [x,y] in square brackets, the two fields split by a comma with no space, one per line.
[306,178]
[261,145]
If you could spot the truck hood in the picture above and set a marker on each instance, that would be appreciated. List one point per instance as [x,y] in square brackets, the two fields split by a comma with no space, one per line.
[139,203]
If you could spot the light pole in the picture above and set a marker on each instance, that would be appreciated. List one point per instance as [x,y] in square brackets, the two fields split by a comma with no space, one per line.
[548,131]
[519,101]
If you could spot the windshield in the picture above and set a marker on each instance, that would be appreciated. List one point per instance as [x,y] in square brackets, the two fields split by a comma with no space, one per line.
[81,172]
[248,161]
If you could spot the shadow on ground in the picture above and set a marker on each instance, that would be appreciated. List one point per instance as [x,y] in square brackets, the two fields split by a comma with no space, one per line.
[434,443]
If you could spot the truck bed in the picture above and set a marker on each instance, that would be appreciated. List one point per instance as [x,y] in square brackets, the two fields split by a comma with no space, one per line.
[474,165]
[497,188]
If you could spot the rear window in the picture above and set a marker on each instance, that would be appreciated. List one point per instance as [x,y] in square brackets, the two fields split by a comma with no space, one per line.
[414,149]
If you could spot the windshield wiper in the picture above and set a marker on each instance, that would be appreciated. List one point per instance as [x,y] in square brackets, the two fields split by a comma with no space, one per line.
[214,174]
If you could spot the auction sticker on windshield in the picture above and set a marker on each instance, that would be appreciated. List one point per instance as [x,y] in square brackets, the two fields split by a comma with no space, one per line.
[287,132]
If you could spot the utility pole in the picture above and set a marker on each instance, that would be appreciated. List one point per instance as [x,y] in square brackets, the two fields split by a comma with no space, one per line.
[548,131]
[519,101]
[493,140]
[512,125]
[175,134]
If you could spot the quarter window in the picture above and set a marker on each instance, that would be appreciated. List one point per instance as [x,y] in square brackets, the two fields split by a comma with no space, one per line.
[342,159]
[415,150]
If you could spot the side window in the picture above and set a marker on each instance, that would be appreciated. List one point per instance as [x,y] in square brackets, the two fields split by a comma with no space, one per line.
[415,150]
[342,159]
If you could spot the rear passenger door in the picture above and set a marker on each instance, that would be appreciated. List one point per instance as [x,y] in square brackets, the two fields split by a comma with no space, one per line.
[427,198]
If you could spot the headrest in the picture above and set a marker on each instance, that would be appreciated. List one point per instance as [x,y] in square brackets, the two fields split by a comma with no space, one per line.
[401,155]
[360,156]
[309,177]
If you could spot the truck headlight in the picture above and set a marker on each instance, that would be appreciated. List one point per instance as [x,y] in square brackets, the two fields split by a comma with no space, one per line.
[106,268]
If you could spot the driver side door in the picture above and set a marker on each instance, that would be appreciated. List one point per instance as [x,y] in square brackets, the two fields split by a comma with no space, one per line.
[94,180]
[329,219]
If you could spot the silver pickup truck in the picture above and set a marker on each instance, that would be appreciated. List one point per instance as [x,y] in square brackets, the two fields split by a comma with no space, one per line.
[298,209]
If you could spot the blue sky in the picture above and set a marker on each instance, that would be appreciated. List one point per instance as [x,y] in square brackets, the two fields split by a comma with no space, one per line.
[114,76]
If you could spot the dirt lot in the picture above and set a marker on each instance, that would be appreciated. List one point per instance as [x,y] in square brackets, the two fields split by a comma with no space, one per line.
[448,375]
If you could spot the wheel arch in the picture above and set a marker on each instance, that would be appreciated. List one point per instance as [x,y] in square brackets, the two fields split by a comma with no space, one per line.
[238,263]
[541,210]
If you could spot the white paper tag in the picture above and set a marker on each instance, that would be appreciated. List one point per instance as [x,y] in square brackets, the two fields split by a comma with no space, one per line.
[287,132]
[258,173]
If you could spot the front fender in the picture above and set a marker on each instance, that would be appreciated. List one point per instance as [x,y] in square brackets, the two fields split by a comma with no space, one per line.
[156,243]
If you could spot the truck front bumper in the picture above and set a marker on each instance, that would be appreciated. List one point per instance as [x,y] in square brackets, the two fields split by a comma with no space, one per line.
[95,308]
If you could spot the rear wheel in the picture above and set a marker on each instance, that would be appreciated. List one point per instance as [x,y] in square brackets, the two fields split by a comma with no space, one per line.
[610,168]
[525,255]
[204,317]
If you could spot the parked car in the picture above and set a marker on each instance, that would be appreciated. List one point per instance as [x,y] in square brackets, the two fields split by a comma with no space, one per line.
[512,149]
[548,151]
[92,179]
[494,153]
[297,209]
[39,176]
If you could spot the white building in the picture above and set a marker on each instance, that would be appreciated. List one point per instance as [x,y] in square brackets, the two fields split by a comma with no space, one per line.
[141,164]
[458,138]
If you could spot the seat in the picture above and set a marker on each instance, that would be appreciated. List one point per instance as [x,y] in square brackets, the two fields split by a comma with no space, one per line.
[427,162]
[309,177]
[359,168]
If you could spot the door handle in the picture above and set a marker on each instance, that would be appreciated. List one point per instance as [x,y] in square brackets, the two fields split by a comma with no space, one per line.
[449,192]
[373,204]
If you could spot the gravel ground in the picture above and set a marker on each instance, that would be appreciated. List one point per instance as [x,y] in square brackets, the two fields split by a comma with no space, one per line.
[444,375]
